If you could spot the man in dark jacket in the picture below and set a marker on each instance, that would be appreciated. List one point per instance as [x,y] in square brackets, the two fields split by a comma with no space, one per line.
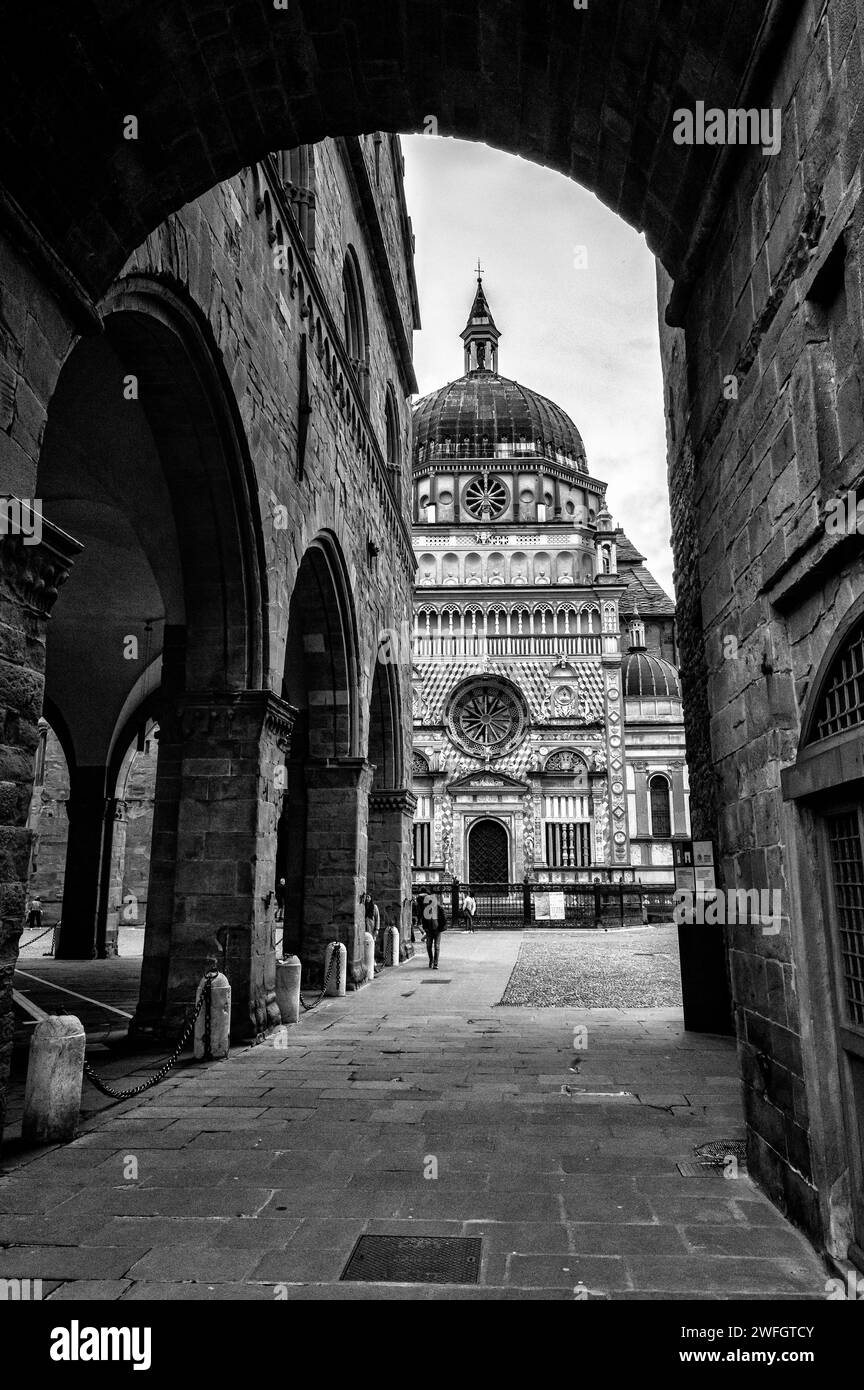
[434,921]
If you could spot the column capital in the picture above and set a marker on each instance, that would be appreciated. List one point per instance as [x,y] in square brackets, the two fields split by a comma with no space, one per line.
[35,574]
[223,714]
[394,799]
[324,774]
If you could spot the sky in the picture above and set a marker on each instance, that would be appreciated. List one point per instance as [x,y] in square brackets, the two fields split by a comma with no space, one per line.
[572,289]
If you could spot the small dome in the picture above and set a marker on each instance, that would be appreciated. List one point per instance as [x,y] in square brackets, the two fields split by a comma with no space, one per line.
[649,678]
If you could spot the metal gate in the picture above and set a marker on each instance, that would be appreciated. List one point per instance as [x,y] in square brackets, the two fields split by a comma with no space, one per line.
[513,906]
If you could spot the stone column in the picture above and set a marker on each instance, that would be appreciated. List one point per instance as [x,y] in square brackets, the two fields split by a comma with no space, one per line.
[388,865]
[336,853]
[87,809]
[212,895]
[111,909]
[30,579]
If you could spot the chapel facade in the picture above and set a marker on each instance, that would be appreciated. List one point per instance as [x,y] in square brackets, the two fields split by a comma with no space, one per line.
[548,726]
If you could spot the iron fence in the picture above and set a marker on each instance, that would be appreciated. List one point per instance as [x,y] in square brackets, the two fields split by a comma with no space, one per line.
[513,906]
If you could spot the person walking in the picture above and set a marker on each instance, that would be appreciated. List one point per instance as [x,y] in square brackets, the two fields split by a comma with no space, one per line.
[434,923]
[34,916]
[469,911]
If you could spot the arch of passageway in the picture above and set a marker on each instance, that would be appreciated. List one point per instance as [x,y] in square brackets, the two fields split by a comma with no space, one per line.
[322,830]
[144,462]
[391,802]
[588,92]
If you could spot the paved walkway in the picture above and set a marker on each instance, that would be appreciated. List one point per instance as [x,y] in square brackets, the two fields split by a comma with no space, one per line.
[254,1177]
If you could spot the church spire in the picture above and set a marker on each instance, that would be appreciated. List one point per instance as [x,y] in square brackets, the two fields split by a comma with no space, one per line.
[480,335]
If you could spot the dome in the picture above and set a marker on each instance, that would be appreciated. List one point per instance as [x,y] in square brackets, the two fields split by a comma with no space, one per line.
[484,415]
[648,677]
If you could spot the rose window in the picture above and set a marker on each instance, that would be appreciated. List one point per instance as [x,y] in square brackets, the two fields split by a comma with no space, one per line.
[486,498]
[486,718]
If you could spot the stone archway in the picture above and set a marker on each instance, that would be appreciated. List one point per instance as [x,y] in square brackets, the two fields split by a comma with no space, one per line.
[760,266]
[588,92]
[322,830]
[391,803]
[143,462]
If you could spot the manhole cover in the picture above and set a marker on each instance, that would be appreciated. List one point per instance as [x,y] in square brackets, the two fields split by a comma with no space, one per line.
[414,1260]
[719,1150]
[700,1170]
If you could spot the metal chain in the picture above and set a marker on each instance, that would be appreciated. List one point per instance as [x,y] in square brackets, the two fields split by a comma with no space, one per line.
[39,937]
[208,998]
[309,1008]
[95,1079]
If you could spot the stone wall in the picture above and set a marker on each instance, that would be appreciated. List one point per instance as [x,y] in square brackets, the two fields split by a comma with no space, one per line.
[765,421]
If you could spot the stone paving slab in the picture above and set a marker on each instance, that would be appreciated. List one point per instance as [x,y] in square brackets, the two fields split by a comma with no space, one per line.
[432,1114]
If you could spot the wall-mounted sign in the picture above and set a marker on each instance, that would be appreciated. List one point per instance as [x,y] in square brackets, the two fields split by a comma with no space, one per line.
[682,858]
[550,907]
[703,865]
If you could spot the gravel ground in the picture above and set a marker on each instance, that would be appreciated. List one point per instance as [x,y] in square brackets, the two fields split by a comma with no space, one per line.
[632,969]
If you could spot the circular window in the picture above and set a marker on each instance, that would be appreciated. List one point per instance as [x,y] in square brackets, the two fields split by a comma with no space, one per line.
[486,718]
[486,498]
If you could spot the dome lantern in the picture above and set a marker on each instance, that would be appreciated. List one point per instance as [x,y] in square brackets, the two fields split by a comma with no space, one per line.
[636,633]
[480,335]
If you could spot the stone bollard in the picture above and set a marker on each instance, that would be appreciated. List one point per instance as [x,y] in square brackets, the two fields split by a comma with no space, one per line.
[220,1021]
[55,1072]
[391,946]
[337,982]
[288,989]
[369,941]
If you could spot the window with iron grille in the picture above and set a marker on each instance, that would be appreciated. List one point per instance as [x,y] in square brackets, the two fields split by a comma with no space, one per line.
[661,810]
[847,862]
[842,705]
[568,845]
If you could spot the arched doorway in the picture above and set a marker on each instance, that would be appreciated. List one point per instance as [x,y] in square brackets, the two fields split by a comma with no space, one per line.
[825,792]
[488,853]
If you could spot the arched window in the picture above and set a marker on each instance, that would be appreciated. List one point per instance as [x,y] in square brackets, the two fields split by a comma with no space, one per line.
[841,706]
[297,171]
[661,810]
[356,326]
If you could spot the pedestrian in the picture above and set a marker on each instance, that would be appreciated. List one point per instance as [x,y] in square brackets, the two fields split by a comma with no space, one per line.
[412,916]
[434,923]
[372,917]
[34,916]
[469,911]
